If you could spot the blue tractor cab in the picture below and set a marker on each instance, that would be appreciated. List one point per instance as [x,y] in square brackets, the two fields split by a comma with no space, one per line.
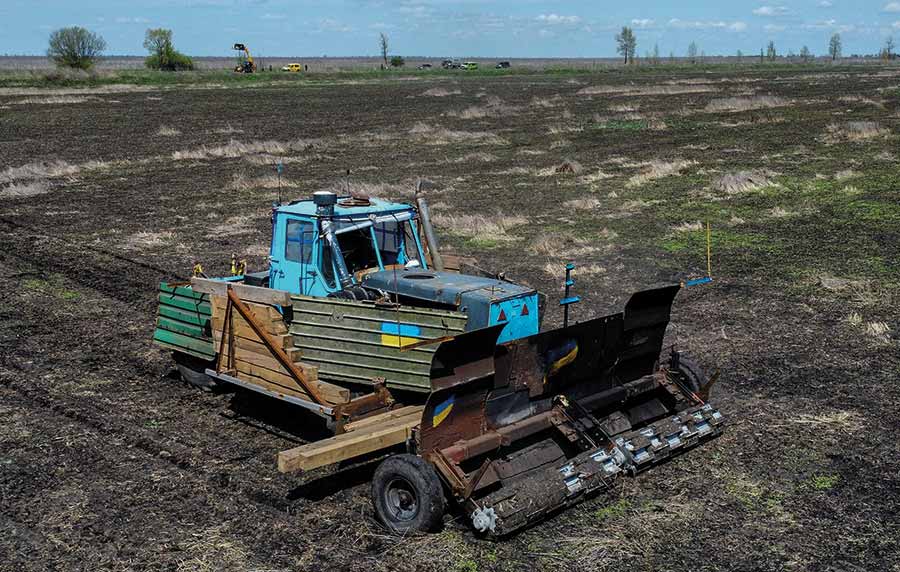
[366,249]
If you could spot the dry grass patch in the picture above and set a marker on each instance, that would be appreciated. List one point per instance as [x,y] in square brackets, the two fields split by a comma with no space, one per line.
[741,182]
[56,100]
[547,102]
[738,104]
[478,156]
[688,227]
[569,167]
[440,92]
[228,130]
[855,131]
[211,550]
[646,90]
[483,227]
[658,170]
[861,100]
[561,246]
[235,226]
[431,135]
[845,174]
[235,149]
[40,170]
[166,131]
[493,107]
[22,190]
[149,240]
[587,204]
[240,182]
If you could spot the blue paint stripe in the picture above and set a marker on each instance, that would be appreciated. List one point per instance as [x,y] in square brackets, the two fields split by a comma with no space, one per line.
[440,408]
[405,330]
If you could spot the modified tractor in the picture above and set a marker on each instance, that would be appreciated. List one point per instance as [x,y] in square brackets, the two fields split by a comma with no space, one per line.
[361,320]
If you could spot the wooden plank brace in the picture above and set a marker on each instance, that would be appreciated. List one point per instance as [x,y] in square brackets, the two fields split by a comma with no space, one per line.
[273,347]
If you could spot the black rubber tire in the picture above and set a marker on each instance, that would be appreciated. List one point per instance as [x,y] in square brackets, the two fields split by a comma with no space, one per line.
[192,370]
[407,478]
[689,373]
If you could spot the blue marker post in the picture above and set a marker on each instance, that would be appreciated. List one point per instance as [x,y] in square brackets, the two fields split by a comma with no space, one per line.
[565,302]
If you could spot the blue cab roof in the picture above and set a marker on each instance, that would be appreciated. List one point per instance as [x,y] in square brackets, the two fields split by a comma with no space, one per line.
[307,208]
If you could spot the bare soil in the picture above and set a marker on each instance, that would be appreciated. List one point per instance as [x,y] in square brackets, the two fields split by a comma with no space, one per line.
[108,462]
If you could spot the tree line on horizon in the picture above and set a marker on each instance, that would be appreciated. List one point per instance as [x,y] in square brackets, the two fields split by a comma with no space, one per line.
[79,48]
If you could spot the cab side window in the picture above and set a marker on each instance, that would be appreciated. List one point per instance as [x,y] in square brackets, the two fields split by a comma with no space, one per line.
[298,242]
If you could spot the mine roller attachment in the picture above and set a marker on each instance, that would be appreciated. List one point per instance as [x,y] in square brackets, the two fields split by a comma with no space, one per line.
[556,417]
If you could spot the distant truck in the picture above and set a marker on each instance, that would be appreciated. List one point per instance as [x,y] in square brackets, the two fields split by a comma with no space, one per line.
[293,68]
[451,64]
[502,65]
[469,66]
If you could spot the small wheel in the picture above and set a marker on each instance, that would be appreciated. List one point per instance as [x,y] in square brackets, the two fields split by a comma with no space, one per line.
[192,371]
[407,494]
[689,373]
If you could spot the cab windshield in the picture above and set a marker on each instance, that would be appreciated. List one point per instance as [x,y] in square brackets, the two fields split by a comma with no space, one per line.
[374,246]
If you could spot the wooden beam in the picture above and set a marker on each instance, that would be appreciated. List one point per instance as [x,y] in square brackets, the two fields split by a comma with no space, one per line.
[244,330]
[262,311]
[244,292]
[346,446]
[254,373]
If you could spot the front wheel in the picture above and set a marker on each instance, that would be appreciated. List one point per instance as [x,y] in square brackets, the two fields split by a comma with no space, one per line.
[690,375]
[407,494]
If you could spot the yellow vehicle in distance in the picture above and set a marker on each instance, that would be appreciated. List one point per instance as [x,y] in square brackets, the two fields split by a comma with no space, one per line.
[293,68]
[468,66]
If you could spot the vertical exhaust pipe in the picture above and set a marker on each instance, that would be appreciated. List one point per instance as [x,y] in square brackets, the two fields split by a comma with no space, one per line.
[325,201]
[430,237]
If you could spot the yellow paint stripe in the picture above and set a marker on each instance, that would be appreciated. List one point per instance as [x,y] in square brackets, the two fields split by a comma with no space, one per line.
[397,341]
[441,416]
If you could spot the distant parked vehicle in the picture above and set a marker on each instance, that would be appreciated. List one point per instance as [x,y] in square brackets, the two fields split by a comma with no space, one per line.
[424,67]
[447,64]
[293,68]
[502,65]
[468,66]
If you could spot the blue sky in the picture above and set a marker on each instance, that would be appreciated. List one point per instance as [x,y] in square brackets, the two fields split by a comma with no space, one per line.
[490,28]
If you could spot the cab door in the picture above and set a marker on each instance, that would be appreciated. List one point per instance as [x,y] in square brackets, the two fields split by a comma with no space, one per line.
[291,266]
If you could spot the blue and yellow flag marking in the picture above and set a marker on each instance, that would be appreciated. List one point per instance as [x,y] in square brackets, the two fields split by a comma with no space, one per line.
[396,335]
[442,411]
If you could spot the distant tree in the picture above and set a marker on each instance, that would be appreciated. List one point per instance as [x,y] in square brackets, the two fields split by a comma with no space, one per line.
[163,55]
[805,54]
[397,62]
[740,55]
[770,51]
[835,46]
[75,47]
[627,43]
[383,45]
[888,48]
[672,56]
[656,54]
[692,52]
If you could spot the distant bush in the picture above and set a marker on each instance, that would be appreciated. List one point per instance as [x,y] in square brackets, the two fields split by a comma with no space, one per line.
[75,47]
[163,55]
[171,61]
[397,62]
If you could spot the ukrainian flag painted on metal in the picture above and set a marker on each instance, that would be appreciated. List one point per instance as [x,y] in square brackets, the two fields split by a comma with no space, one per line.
[398,335]
[442,411]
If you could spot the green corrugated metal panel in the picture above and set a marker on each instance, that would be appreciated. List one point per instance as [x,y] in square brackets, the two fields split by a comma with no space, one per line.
[183,321]
[350,341]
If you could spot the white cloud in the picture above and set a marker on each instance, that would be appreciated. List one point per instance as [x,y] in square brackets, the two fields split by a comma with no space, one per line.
[642,22]
[129,20]
[774,28]
[825,4]
[897,25]
[707,25]
[892,7]
[770,11]
[331,25]
[270,16]
[556,19]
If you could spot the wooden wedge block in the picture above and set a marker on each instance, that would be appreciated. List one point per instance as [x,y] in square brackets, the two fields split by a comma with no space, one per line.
[399,413]
[346,446]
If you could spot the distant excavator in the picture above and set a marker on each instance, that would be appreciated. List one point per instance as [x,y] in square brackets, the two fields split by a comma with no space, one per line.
[248,65]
